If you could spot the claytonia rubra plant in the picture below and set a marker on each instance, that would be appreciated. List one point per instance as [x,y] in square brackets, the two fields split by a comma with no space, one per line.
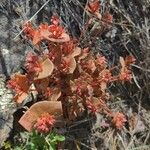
[33,63]
[20,85]
[44,123]
[53,32]
[69,79]
[119,120]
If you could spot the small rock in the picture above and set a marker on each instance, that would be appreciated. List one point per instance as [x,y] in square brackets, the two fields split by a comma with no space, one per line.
[7,109]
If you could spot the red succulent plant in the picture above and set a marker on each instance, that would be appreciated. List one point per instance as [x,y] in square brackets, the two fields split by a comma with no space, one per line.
[44,123]
[66,75]
[119,120]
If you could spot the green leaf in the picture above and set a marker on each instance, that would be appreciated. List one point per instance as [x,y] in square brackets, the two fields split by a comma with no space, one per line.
[18,148]
[38,140]
[60,138]
[52,147]
[30,146]
[7,145]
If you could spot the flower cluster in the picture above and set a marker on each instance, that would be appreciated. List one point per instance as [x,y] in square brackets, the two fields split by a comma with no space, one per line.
[94,7]
[119,120]
[125,72]
[32,63]
[44,123]
[20,85]
[53,32]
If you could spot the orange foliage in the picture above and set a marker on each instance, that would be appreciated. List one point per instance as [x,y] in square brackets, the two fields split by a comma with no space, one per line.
[20,84]
[67,75]
[44,123]
[107,17]
[53,32]
[119,120]
[94,6]
[31,116]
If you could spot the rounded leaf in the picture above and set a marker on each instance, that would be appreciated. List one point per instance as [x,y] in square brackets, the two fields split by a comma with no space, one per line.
[47,69]
[76,52]
[22,81]
[36,38]
[56,94]
[64,38]
[30,117]
[20,97]
[72,64]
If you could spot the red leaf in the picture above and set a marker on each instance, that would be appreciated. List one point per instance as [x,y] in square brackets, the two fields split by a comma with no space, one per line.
[28,30]
[119,120]
[44,31]
[52,33]
[33,63]
[47,69]
[63,38]
[55,20]
[103,86]
[20,97]
[30,117]
[41,85]
[84,54]
[129,60]
[107,17]
[71,64]
[21,85]
[56,93]
[37,37]
[94,6]
[76,52]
